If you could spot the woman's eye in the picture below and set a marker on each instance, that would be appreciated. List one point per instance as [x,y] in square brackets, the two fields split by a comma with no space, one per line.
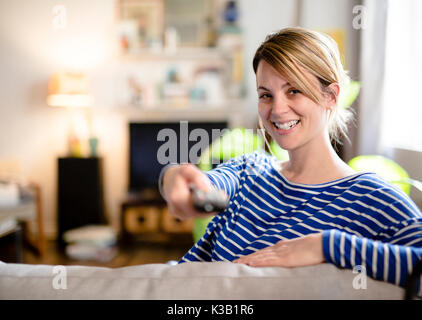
[293,92]
[265,96]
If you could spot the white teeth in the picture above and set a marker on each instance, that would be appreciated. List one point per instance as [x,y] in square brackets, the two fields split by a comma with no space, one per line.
[287,125]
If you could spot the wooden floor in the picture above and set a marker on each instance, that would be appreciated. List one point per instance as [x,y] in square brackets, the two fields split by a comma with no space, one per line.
[135,253]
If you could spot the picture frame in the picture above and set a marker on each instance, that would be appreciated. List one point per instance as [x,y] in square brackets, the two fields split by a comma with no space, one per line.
[192,20]
[140,23]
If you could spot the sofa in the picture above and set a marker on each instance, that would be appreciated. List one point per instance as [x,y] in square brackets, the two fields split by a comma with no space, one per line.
[190,281]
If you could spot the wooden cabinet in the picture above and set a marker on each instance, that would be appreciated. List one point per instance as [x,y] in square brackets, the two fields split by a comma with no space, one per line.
[142,219]
[171,224]
[147,219]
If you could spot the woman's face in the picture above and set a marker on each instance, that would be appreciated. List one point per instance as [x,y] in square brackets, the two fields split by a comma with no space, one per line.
[291,118]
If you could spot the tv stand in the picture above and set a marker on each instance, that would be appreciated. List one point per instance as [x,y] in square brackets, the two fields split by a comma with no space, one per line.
[147,194]
[145,218]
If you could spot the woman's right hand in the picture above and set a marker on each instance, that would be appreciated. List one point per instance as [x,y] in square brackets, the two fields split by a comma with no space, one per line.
[177,193]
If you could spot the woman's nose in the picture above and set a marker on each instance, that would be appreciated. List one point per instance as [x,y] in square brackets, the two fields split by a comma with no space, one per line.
[280,105]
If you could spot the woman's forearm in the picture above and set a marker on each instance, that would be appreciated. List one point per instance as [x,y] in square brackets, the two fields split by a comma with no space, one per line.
[380,260]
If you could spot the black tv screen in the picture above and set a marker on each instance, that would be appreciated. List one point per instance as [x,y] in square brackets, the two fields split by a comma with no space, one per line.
[152,145]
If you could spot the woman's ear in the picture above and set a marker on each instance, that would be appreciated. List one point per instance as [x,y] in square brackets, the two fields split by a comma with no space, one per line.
[333,93]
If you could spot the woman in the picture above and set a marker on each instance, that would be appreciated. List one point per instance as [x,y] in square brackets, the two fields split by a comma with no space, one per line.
[312,208]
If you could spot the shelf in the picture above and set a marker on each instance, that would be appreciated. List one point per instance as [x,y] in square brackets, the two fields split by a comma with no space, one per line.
[192,111]
[201,106]
[192,53]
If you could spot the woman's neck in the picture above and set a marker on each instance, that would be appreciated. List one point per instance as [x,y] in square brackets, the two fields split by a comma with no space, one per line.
[315,163]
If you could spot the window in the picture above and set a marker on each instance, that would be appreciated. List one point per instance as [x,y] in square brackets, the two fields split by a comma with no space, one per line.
[402,95]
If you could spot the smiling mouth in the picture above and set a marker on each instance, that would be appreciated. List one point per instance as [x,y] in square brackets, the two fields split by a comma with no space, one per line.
[286,125]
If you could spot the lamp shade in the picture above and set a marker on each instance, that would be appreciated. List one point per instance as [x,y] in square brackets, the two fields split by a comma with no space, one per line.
[69,89]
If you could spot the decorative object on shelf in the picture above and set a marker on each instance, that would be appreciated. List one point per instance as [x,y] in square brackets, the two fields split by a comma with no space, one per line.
[174,90]
[171,41]
[140,23]
[93,146]
[72,90]
[208,86]
[211,32]
[191,20]
[136,91]
[231,12]
[75,147]
[127,34]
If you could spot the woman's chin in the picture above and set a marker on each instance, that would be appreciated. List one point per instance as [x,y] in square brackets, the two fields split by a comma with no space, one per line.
[286,143]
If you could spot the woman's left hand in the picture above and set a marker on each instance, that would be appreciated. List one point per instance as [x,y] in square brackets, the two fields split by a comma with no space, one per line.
[304,251]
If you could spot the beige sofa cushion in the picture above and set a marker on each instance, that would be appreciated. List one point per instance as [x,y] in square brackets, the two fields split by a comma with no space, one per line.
[187,281]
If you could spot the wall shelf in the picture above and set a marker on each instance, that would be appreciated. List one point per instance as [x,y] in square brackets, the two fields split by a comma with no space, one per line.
[230,110]
[182,53]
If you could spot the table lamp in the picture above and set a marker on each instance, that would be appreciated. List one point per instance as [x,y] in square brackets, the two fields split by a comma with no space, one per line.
[71,90]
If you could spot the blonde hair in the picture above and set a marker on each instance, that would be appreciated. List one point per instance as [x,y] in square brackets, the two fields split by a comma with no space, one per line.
[291,51]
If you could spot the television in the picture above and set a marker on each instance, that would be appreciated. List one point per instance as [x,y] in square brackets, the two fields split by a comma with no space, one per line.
[153,145]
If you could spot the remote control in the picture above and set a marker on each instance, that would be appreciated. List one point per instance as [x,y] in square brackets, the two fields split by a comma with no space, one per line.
[208,201]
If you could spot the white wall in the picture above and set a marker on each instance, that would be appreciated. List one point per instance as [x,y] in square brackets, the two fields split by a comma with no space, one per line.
[259,18]
[30,50]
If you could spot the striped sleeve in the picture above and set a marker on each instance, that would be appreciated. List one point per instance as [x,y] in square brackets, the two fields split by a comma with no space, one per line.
[391,261]
[227,176]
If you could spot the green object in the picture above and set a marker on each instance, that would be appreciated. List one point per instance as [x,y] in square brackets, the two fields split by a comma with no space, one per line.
[385,168]
[278,152]
[235,142]
[93,145]
[232,143]
[199,227]
[350,94]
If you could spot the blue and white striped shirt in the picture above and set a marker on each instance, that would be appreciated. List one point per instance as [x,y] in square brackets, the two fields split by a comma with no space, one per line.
[364,220]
